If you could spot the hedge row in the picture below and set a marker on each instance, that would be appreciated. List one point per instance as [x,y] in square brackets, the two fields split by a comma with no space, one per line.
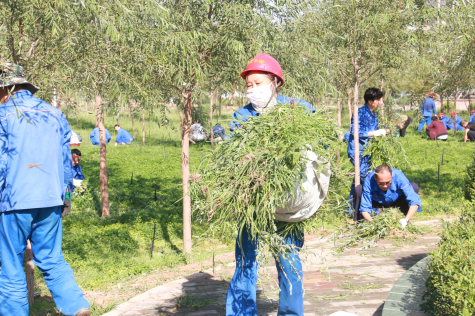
[451,282]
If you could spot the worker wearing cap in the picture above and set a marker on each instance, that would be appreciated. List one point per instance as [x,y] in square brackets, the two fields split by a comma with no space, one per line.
[458,120]
[387,187]
[446,120]
[428,109]
[35,171]
[263,77]
[472,117]
[95,137]
[123,137]
[367,128]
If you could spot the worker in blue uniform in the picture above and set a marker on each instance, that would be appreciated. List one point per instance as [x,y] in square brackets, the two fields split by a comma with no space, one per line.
[472,117]
[367,128]
[388,187]
[458,120]
[263,76]
[428,109]
[123,137]
[77,170]
[446,120]
[95,137]
[35,171]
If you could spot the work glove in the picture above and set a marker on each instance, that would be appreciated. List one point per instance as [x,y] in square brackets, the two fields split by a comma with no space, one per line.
[66,208]
[380,132]
[403,222]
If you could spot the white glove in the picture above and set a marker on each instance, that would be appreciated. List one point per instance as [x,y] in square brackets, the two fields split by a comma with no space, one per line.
[403,222]
[379,132]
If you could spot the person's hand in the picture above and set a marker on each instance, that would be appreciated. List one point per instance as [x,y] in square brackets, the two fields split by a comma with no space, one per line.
[115,143]
[403,222]
[379,132]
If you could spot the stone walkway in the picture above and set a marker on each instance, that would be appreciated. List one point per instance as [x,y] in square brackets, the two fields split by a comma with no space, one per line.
[356,282]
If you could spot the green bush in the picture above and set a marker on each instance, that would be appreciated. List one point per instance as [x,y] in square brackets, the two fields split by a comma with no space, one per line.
[470,182]
[451,105]
[451,282]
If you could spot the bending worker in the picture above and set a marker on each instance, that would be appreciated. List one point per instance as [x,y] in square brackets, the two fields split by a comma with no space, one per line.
[123,137]
[446,120]
[388,187]
[263,77]
[95,137]
[472,117]
[436,130]
[367,128]
[428,109]
[458,120]
[78,176]
[469,131]
[35,171]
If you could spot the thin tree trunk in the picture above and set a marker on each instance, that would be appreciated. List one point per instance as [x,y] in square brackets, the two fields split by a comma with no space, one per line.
[338,105]
[441,103]
[219,101]
[166,118]
[469,102]
[143,125]
[77,115]
[30,273]
[132,119]
[234,93]
[181,122]
[356,131]
[455,109]
[103,159]
[211,96]
[348,94]
[185,167]
[382,105]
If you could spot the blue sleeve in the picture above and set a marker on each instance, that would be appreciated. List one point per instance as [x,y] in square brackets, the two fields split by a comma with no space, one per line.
[108,136]
[118,138]
[129,137]
[3,156]
[362,131]
[434,108]
[405,186]
[67,160]
[92,136]
[366,200]
[234,123]
[79,174]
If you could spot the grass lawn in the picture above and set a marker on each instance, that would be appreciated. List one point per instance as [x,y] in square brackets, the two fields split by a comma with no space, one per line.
[103,252]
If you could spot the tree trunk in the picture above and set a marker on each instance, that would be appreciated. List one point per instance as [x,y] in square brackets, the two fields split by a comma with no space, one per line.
[234,93]
[132,119]
[143,126]
[181,122]
[219,101]
[455,109]
[348,94]
[441,103]
[77,115]
[356,131]
[185,169]
[382,105]
[103,159]
[243,97]
[30,273]
[469,102]
[338,105]
[211,96]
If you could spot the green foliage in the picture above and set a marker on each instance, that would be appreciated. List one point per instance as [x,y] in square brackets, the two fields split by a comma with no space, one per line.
[386,150]
[451,282]
[248,176]
[470,181]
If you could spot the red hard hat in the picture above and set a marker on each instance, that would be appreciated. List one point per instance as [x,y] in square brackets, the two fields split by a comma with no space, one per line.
[452,114]
[472,111]
[266,63]
[440,114]
[431,94]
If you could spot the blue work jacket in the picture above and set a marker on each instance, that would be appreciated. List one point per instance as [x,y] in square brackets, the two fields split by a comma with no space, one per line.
[95,138]
[367,122]
[447,121]
[123,137]
[77,174]
[248,111]
[35,159]
[399,187]
[472,118]
[428,107]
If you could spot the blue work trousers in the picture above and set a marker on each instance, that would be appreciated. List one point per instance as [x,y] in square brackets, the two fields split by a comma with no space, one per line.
[241,299]
[44,228]
[427,120]
[365,169]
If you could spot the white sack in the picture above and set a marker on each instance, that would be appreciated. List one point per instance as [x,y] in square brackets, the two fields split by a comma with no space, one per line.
[315,188]
[77,182]
[75,138]
[198,133]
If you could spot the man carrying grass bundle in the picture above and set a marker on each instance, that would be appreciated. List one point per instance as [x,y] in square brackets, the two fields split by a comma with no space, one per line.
[263,77]
[387,187]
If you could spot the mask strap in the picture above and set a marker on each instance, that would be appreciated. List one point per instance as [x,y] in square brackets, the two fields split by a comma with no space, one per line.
[274,90]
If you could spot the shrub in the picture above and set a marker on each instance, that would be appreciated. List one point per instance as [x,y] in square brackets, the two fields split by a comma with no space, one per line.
[470,182]
[451,282]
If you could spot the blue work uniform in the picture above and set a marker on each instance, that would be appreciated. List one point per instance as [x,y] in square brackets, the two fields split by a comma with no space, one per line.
[77,174]
[447,121]
[346,138]
[241,298]
[95,138]
[450,124]
[123,137]
[428,109]
[400,188]
[472,119]
[35,170]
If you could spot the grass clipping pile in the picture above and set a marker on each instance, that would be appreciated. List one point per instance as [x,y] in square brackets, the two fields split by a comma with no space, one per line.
[256,170]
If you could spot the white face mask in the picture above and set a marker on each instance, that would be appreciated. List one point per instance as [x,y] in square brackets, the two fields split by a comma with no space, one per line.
[260,96]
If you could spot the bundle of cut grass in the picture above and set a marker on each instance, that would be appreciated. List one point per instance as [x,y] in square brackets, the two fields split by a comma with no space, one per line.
[256,170]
